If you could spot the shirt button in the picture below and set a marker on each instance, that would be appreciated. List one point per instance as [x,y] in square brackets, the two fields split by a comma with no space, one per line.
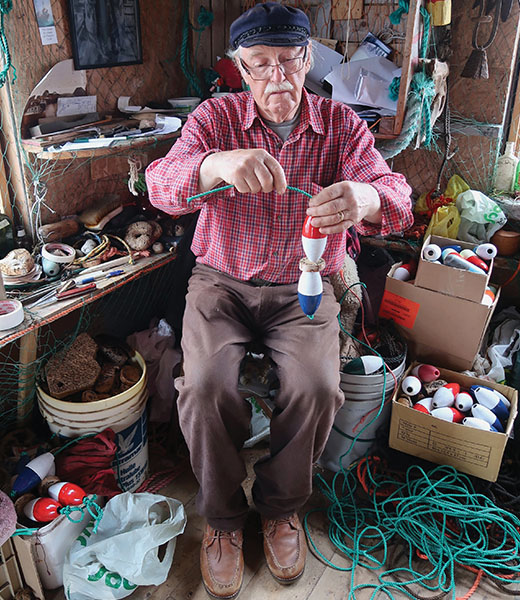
[275,253]
[278,218]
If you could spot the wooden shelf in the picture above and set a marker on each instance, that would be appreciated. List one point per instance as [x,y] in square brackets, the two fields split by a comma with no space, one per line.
[38,316]
[120,145]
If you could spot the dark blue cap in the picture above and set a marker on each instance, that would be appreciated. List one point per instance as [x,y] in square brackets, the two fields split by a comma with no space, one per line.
[270,24]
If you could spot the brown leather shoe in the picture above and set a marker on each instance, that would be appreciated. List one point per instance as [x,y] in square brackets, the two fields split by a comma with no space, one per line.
[222,562]
[285,547]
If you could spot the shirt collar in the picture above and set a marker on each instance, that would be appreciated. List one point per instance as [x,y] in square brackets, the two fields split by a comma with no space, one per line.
[310,114]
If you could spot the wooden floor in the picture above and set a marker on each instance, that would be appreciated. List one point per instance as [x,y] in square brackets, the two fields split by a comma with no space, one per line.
[319,582]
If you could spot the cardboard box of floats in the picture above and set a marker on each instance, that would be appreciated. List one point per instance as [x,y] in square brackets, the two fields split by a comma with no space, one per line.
[443,318]
[472,451]
[441,312]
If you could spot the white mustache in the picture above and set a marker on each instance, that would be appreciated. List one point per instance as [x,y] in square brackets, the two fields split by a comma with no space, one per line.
[283,86]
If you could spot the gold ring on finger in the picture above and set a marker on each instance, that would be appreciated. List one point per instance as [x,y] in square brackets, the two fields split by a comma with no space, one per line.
[341,216]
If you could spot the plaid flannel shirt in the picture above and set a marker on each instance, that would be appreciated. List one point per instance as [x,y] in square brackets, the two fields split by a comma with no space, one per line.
[258,236]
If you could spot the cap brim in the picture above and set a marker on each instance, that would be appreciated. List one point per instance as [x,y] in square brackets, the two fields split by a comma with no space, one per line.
[276,39]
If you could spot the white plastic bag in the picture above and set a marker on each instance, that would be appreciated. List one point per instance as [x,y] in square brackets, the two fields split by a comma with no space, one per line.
[480,217]
[124,552]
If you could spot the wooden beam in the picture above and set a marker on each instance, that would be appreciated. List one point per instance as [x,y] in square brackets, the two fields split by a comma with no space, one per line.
[410,60]
[15,163]
[26,377]
[514,129]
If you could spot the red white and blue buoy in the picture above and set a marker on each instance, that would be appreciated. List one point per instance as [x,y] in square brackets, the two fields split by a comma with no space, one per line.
[424,405]
[486,251]
[310,285]
[411,385]
[463,401]
[426,373]
[478,424]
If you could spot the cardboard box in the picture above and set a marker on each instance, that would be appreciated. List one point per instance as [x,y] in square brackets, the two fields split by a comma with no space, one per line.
[439,328]
[41,554]
[472,451]
[450,280]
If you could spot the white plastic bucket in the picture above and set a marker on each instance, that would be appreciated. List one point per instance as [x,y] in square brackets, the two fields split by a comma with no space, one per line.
[363,398]
[124,413]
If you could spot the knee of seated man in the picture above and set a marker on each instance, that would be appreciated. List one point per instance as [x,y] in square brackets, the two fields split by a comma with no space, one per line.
[317,389]
[210,379]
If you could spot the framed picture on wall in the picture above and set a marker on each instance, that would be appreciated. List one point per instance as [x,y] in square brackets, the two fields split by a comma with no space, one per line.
[105,33]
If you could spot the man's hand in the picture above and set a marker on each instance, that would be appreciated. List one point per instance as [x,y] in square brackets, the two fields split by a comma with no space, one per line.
[341,205]
[250,171]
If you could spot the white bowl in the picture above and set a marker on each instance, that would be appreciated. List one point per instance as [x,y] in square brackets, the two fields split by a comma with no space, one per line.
[184,105]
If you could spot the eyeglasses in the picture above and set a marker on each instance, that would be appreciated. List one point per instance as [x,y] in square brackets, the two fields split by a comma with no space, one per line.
[288,67]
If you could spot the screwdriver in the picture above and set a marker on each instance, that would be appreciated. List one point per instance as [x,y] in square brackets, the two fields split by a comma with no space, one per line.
[97,275]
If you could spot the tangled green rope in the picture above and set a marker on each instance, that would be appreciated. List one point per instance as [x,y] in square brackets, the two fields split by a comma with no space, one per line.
[436,513]
[420,96]
[204,20]
[417,119]
[395,17]
[5,7]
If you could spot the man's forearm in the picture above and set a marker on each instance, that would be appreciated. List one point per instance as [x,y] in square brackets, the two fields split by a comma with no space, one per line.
[208,178]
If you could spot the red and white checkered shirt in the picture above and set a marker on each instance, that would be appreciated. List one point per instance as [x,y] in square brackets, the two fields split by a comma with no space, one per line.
[258,236]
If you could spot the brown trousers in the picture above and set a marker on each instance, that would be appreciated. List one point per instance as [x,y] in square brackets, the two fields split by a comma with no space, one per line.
[222,315]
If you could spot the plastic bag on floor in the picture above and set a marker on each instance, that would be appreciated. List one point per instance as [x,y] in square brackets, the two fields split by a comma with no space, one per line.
[124,552]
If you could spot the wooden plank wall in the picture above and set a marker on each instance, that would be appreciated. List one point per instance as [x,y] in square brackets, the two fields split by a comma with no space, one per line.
[484,100]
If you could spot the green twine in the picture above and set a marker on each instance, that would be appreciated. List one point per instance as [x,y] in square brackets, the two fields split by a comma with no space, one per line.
[393,89]
[204,19]
[24,531]
[71,442]
[92,507]
[5,7]
[426,32]
[227,187]
[395,17]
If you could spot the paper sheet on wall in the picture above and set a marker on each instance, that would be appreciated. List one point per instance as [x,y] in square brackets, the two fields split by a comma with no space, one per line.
[365,82]
[45,19]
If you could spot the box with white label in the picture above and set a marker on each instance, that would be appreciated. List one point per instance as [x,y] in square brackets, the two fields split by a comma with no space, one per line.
[473,451]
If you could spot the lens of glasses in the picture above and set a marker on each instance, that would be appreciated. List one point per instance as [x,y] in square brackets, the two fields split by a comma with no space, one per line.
[293,65]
